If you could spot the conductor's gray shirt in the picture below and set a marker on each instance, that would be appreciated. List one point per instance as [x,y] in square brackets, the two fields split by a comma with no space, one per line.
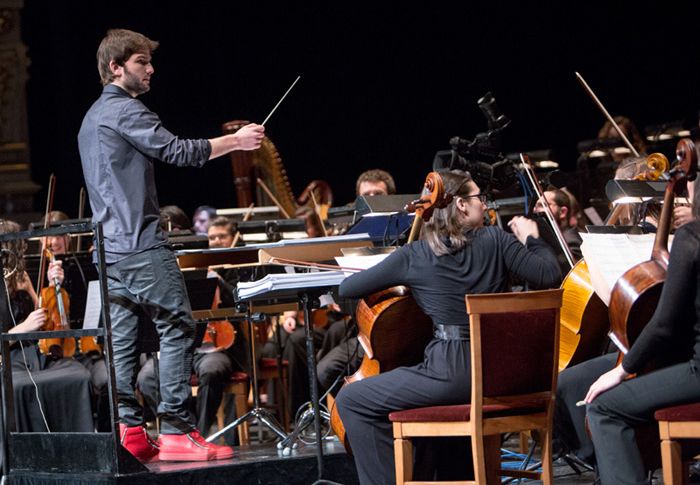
[119,140]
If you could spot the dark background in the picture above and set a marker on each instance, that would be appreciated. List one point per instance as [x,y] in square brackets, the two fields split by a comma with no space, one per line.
[382,85]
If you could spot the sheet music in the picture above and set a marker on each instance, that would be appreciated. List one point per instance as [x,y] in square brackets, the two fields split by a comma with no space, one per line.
[609,256]
[360,262]
[93,305]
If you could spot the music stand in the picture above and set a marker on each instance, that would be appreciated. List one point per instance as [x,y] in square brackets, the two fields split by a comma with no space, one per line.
[301,288]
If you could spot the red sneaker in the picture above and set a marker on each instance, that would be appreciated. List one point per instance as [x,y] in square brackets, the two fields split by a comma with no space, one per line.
[191,447]
[136,440]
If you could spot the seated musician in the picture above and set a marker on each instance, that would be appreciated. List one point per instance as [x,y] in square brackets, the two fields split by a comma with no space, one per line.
[203,215]
[49,393]
[457,255]
[173,218]
[375,182]
[617,405]
[560,205]
[213,369]
[597,171]
[683,214]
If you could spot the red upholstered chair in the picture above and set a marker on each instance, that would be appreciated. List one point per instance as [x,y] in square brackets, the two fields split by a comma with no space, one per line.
[514,358]
[677,423]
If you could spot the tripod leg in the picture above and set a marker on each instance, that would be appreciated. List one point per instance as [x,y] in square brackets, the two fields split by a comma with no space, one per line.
[246,417]
[257,412]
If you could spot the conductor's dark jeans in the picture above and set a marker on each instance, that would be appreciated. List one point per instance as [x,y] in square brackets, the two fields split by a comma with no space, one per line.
[150,284]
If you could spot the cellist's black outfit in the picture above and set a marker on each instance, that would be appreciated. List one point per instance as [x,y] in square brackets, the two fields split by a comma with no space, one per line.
[438,284]
[673,331]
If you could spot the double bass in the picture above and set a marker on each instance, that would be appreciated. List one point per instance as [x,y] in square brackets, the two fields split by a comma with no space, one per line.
[636,293]
[382,318]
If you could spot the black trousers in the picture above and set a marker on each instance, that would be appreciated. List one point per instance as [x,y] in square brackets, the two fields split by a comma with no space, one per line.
[569,419]
[444,377]
[615,414]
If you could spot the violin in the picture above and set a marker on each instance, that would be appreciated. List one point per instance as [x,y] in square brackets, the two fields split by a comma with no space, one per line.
[393,330]
[56,303]
[53,299]
[636,293]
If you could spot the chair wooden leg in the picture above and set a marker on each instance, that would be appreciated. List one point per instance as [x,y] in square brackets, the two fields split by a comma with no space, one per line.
[241,401]
[524,441]
[492,459]
[547,476]
[403,457]
[673,470]
[479,459]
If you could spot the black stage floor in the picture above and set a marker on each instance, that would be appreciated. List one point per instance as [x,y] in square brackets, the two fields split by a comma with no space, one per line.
[264,464]
[254,464]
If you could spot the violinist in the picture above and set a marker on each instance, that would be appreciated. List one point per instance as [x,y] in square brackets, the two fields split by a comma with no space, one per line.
[74,282]
[61,399]
[617,405]
[119,141]
[456,256]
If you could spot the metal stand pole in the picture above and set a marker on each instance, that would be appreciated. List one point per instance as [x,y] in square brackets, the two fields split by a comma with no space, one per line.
[290,442]
[262,415]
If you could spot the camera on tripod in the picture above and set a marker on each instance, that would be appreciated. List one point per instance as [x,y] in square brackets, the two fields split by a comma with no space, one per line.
[481,157]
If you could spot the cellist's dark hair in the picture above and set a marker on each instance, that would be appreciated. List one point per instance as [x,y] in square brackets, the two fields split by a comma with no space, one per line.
[445,231]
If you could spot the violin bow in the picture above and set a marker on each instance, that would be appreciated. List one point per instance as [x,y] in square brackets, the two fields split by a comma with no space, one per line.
[42,258]
[606,113]
[548,212]
[317,210]
[246,217]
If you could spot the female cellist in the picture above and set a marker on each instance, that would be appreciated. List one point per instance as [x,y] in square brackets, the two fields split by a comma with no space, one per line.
[617,406]
[456,255]
[61,399]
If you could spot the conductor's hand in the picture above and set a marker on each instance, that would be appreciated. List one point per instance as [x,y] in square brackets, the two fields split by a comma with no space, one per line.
[249,137]
[523,227]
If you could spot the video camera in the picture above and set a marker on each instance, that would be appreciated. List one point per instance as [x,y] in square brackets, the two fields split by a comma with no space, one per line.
[481,157]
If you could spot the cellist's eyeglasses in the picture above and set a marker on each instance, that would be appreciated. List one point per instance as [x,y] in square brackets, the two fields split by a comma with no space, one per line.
[482,197]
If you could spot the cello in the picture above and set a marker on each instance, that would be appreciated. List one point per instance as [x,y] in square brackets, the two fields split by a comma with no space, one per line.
[636,293]
[584,316]
[387,340]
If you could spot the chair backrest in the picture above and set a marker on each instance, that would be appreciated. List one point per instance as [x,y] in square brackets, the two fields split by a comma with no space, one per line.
[514,343]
